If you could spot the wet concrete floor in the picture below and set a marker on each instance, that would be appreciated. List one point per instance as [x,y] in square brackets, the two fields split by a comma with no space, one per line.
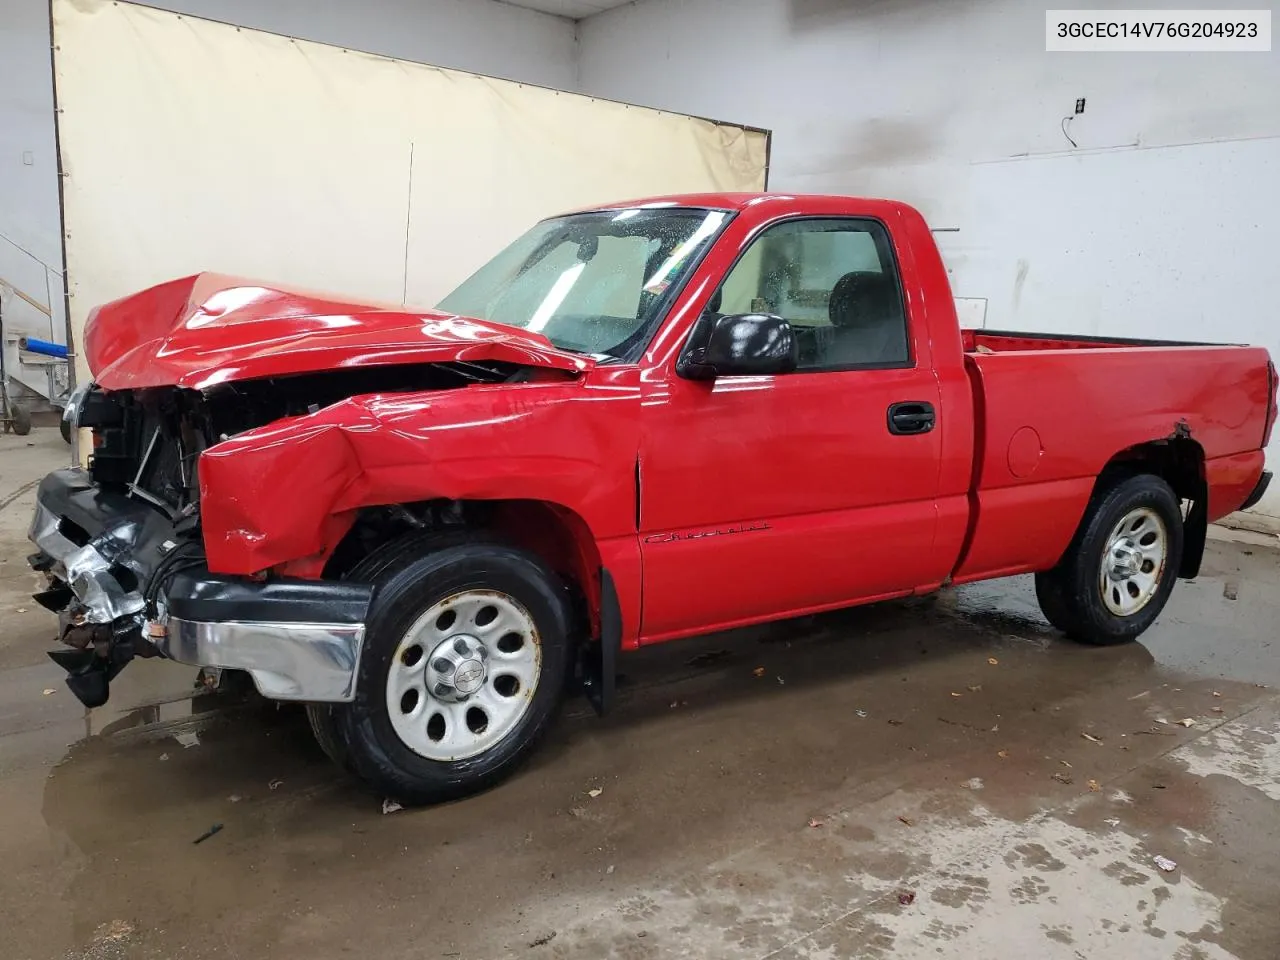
[907,780]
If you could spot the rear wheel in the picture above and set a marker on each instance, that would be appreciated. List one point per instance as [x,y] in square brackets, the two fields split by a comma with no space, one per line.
[1119,570]
[464,664]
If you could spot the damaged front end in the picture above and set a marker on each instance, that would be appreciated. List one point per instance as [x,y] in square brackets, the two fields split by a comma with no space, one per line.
[122,548]
[129,580]
[110,535]
[185,372]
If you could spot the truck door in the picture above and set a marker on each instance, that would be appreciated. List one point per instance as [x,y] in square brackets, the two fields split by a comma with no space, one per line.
[775,495]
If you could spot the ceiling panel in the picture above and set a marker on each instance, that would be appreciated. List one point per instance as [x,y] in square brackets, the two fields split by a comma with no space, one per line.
[573,9]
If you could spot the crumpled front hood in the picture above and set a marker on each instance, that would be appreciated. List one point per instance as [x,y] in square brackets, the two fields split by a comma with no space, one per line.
[209,329]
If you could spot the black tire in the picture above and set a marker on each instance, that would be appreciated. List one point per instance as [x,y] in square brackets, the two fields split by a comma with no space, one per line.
[65,429]
[413,575]
[1052,600]
[324,728]
[20,419]
[1070,594]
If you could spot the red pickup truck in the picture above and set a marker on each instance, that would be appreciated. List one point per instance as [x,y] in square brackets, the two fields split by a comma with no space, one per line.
[636,423]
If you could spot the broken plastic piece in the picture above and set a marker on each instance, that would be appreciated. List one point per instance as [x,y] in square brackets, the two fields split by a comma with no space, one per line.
[1164,863]
[391,806]
[595,792]
[208,833]
[906,898]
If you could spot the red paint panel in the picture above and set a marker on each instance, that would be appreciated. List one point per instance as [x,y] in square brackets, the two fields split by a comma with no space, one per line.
[621,557]
[1087,406]
[799,563]
[266,494]
[1231,480]
[1023,528]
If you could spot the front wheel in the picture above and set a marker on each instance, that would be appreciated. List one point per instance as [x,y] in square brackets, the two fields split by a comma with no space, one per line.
[463,667]
[1119,570]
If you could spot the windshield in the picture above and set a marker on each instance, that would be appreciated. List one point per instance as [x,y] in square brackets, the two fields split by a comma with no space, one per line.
[591,282]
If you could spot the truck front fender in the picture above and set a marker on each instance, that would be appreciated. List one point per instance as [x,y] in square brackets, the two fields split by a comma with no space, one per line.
[289,490]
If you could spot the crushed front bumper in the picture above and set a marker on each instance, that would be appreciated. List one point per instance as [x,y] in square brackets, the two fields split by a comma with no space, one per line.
[298,639]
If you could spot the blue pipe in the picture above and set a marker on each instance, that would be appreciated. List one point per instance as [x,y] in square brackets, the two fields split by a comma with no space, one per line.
[43,347]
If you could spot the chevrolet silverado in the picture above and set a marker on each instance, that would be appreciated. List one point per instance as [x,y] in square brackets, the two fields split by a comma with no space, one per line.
[636,423]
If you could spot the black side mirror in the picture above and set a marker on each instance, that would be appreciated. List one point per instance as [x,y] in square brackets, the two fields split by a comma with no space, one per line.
[752,344]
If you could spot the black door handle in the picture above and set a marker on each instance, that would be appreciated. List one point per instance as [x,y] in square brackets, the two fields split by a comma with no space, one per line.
[912,416]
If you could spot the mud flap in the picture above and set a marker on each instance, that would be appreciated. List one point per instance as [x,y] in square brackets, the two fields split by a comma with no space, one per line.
[600,660]
[1195,529]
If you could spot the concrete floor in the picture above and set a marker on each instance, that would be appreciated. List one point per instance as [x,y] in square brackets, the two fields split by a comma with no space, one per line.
[908,780]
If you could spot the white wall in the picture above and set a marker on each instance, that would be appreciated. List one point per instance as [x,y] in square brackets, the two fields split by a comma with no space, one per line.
[483,36]
[193,145]
[1164,222]
[28,180]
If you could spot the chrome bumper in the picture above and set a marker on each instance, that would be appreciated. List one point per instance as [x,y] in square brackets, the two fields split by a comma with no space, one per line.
[288,661]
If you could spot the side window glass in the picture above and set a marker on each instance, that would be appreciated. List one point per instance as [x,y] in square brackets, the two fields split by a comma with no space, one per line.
[835,282]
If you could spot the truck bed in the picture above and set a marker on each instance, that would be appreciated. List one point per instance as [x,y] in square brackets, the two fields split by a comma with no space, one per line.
[1008,341]
[1051,412]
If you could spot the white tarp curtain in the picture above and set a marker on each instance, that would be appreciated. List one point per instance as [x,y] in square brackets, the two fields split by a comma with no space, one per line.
[190,145]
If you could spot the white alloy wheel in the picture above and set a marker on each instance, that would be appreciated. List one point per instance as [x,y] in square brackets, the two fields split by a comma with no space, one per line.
[463,675]
[1133,562]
